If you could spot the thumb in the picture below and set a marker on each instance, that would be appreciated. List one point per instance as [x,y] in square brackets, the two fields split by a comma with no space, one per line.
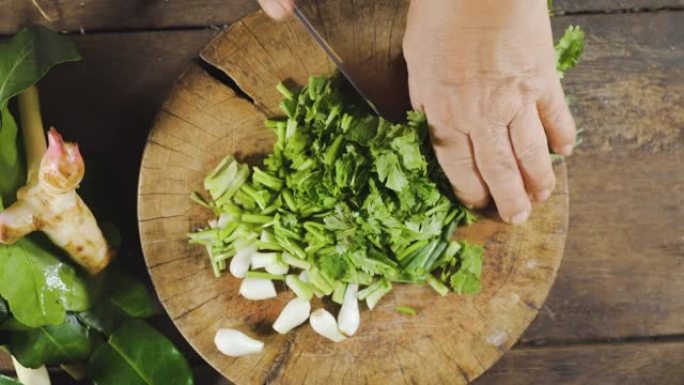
[277,9]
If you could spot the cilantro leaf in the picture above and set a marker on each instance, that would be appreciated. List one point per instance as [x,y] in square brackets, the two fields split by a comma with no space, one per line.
[569,48]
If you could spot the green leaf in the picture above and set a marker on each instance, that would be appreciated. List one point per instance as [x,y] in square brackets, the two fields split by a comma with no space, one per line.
[467,278]
[103,316]
[29,56]
[117,297]
[11,165]
[569,48]
[38,287]
[51,345]
[465,283]
[4,380]
[333,266]
[407,145]
[133,298]
[137,354]
[390,172]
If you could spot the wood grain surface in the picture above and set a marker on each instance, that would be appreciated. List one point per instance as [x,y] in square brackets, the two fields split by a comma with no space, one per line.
[453,338]
[631,363]
[107,15]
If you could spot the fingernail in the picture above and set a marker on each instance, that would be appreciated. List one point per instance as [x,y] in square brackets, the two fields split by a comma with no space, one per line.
[275,10]
[566,150]
[519,217]
[542,196]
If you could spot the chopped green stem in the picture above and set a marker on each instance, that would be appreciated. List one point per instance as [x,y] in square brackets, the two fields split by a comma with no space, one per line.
[267,180]
[273,246]
[256,219]
[333,151]
[282,88]
[438,286]
[262,275]
[289,200]
[405,310]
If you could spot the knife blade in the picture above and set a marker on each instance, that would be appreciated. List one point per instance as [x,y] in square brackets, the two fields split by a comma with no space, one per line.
[334,57]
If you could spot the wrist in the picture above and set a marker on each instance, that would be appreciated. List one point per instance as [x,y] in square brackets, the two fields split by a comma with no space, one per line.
[484,13]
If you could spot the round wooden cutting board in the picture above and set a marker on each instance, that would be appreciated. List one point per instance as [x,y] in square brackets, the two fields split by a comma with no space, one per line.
[451,340]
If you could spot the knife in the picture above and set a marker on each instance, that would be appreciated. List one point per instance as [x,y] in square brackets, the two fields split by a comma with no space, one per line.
[334,57]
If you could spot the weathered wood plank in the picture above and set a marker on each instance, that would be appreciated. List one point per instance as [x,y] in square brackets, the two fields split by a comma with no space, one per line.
[623,267]
[571,6]
[74,15]
[640,363]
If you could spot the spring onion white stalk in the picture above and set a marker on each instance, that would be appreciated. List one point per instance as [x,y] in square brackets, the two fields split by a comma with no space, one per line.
[323,323]
[234,343]
[261,260]
[29,376]
[240,263]
[295,313]
[349,318]
[278,268]
[257,288]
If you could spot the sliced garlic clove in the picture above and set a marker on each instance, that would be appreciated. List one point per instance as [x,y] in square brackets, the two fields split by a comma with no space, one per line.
[278,268]
[239,264]
[257,288]
[261,260]
[234,343]
[295,313]
[349,317]
[323,323]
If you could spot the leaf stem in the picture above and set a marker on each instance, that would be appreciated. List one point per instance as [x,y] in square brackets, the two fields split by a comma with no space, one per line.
[32,130]
[29,376]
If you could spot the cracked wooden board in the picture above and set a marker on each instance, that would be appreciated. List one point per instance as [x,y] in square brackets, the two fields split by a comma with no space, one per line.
[451,340]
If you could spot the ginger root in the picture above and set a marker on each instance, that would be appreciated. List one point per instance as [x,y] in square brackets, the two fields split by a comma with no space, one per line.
[49,203]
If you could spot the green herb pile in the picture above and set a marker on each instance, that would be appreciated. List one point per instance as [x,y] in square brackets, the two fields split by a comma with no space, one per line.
[346,196]
[50,312]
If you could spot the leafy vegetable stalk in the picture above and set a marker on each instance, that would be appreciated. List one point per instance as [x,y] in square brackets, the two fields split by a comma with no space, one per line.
[32,130]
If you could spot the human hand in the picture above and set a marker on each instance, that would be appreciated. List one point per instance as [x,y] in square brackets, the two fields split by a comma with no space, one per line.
[484,73]
[277,9]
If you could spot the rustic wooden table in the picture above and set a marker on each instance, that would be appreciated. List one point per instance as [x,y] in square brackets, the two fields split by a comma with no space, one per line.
[616,313]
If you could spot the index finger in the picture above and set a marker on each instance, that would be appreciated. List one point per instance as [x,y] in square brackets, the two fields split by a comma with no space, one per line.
[277,9]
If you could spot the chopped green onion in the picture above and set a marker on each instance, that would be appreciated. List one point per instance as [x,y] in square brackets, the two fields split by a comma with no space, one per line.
[405,310]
